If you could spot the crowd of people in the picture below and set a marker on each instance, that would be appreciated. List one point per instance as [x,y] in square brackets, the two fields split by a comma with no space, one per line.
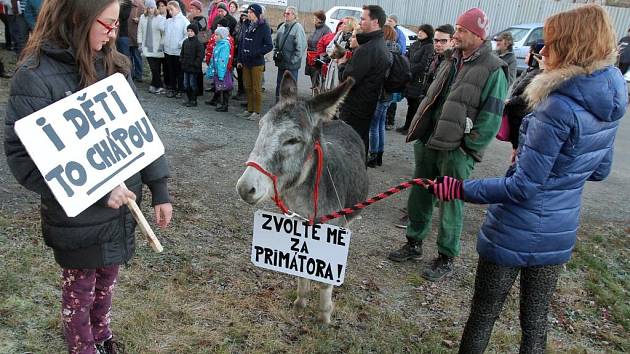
[459,93]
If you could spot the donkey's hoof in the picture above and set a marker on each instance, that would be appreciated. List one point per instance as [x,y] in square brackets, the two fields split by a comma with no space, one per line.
[300,303]
[324,318]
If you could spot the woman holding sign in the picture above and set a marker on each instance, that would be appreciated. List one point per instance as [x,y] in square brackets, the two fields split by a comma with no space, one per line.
[72,47]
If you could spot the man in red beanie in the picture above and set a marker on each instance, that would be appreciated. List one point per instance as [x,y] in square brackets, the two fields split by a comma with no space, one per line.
[457,119]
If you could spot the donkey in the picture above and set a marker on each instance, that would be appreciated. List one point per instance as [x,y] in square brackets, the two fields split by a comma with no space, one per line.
[285,148]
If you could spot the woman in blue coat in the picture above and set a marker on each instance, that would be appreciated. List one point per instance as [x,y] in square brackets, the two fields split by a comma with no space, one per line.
[534,211]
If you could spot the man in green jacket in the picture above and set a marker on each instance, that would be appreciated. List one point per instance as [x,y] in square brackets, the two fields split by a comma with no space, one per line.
[457,119]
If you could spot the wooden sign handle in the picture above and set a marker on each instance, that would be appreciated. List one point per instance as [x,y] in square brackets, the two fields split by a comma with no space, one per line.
[144,225]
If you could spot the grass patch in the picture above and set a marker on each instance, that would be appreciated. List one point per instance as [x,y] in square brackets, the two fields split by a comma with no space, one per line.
[602,257]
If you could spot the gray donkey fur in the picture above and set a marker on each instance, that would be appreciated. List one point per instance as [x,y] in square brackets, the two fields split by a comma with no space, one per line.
[285,148]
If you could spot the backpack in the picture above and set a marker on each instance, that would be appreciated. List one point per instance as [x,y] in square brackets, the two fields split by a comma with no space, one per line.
[398,75]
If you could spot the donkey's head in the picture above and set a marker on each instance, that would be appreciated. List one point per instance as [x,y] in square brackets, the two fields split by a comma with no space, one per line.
[286,140]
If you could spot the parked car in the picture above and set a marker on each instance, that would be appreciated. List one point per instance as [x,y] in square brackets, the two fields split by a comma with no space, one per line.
[336,13]
[524,35]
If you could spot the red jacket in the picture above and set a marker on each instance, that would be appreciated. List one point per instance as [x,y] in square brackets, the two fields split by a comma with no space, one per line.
[210,48]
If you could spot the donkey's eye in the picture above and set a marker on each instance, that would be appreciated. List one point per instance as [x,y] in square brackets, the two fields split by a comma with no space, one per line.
[291,141]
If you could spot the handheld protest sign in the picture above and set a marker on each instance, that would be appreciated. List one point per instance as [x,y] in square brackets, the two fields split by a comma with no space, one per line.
[90,142]
[318,252]
[144,225]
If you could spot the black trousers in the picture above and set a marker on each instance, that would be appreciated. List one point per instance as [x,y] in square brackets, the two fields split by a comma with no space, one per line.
[155,64]
[492,285]
[361,126]
[412,107]
[174,73]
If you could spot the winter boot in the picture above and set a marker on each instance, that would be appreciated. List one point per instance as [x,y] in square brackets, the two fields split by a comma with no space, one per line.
[440,267]
[372,160]
[192,98]
[187,100]
[379,158]
[110,346]
[410,250]
[223,101]
[214,100]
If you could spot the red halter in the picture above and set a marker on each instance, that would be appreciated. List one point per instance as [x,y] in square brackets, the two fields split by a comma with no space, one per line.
[276,196]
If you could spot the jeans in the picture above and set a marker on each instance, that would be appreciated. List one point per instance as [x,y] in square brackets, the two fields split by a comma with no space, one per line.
[19,32]
[122,44]
[377,127]
[190,82]
[136,63]
[279,79]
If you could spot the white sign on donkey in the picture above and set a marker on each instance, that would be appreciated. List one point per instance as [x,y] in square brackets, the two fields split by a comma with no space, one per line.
[318,252]
[90,142]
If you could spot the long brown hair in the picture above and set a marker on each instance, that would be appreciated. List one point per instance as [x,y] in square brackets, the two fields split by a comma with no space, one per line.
[579,37]
[67,23]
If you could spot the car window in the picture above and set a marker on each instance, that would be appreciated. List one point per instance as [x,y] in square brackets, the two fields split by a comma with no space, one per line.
[341,13]
[536,35]
[516,32]
[335,15]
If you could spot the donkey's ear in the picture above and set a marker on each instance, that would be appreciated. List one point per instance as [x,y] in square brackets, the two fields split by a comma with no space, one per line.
[325,105]
[288,87]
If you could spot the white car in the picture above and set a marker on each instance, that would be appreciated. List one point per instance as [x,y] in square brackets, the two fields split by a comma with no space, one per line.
[336,13]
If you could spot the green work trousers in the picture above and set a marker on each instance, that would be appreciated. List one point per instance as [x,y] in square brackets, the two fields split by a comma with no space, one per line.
[431,164]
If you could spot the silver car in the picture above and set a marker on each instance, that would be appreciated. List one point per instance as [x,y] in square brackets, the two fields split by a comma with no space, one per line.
[524,35]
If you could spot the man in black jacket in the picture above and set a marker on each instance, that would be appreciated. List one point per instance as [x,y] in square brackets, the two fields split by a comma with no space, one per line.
[367,67]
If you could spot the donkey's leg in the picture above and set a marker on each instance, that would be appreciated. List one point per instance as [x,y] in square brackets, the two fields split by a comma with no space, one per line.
[326,305]
[304,286]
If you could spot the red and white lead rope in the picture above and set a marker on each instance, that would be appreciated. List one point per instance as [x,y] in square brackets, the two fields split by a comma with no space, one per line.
[425,183]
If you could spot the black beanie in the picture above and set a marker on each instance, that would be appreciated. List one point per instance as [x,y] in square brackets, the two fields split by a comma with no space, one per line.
[193,27]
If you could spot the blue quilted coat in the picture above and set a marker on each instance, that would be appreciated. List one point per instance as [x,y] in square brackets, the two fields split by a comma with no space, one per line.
[566,141]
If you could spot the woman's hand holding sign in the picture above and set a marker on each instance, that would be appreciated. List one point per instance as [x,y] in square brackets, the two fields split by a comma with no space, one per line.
[119,196]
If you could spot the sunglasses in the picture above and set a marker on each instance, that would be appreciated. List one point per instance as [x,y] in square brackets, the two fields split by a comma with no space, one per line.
[109,28]
[443,41]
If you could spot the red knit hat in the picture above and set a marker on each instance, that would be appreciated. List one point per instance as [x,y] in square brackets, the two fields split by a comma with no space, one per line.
[475,21]
[197,4]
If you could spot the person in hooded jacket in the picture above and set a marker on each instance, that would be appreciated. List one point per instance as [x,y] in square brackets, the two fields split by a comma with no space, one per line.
[567,140]
[191,58]
[254,43]
[71,48]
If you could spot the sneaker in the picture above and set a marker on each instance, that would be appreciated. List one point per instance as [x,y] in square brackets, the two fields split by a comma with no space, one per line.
[409,251]
[160,91]
[439,268]
[245,114]
[152,89]
[255,116]
[110,346]
[389,127]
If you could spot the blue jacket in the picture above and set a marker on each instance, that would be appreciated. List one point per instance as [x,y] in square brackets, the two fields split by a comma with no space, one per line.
[567,140]
[220,58]
[254,43]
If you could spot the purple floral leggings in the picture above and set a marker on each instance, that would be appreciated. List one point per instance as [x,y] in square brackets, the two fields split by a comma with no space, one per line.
[86,301]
